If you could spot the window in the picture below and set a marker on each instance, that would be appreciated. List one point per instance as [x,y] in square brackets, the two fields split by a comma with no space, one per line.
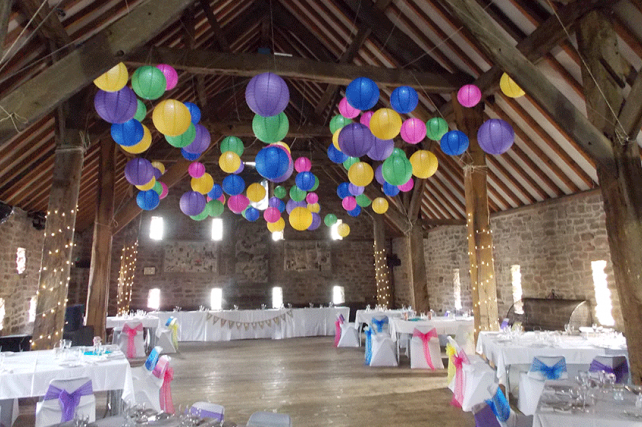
[217,229]
[603,308]
[333,230]
[21,260]
[338,295]
[263,203]
[277,235]
[153,299]
[156,228]
[516,282]
[457,289]
[216,299]
[277,297]
[1,313]
[33,303]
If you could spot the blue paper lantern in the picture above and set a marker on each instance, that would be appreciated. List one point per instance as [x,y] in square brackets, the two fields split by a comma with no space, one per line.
[147,200]
[355,212]
[128,133]
[362,93]
[190,156]
[335,155]
[233,185]
[390,190]
[272,162]
[194,112]
[252,214]
[343,190]
[304,180]
[281,206]
[454,143]
[404,99]
[215,192]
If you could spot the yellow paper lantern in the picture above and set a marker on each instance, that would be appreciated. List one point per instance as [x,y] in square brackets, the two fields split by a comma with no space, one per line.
[142,145]
[113,80]
[380,205]
[424,164]
[203,184]
[283,144]
[343,229]
[335,139]
[314,207]
[255,192]
[300,218]
[171,117]
[385,123]
[276,226]
[158,165]
[360,174]
[509,87]
[229,162]
[147,186]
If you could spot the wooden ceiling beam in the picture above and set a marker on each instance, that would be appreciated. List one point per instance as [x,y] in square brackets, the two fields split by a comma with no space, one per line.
[215,26]
[46,20]
[5,13]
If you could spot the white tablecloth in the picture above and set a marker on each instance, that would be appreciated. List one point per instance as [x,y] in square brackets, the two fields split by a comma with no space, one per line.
[606,412]
[118,322]
[444,325]
[229,325]
[28,374]
[503,352]
[365,316]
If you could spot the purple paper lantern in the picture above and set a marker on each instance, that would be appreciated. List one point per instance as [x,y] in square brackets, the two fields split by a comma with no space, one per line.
[240,169]
[201,141]
[116,107]
[316,222]
[192,203]
[274,202]
[355,140]
[413,130]
[381,149]
[157,173]
[379,174]
[139,171]
[267,94]
[495,136]
[292,204]
[355,190]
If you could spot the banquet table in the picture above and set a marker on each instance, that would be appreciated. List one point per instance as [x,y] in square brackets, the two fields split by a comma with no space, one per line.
[365,316]
[150,322]
[606,412]
[227,325]
[444,325]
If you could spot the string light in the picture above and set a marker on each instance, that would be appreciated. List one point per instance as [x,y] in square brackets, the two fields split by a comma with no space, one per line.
[126,277]
[382,277]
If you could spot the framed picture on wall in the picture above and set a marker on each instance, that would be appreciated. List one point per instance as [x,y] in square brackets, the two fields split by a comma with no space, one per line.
[190,257]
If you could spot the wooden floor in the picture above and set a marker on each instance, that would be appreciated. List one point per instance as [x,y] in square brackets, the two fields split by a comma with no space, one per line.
[317,384]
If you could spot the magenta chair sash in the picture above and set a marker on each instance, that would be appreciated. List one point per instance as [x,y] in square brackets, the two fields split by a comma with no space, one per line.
[458,395]
[131,334]
[425,338]
[337,332]
[166,372]
[68,401]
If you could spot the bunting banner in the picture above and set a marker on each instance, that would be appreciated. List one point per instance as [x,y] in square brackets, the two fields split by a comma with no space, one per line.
[276,320]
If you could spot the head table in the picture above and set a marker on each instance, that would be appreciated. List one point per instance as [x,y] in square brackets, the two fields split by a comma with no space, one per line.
[227,325]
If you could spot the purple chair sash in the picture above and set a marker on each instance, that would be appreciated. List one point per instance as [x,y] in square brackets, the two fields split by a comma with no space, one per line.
[619,371]
[486,418]
[69,401]
[206,414]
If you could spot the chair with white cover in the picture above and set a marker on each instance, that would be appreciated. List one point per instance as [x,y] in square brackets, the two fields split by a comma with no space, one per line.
[8,412]
[140,372]
[465,337]
[380,324]
[152,388]
[66,399]
[269,419]
[617,365]
[384,351]
[167,335]
[425,352]
[531,383]
[208,410]
[504,414]
[131,340]
[349,335]
[478,376]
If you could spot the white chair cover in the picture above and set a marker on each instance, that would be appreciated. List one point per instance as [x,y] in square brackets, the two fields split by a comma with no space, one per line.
[417,356]
[465,337]
[619,364]
[8,412]
[49,412]
[147,387]
[164,339]
[139,342]
[478,376]
[269,419]
[349,335]
[513,419]
[383,351]
[208,410]
[531,385]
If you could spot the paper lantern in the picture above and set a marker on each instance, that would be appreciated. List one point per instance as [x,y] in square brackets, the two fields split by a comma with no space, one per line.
[276,226]
[314,207]
[252,214]
[330,219]
[147,186]
[196,170]
[454,143]
[305,180]
[142,145]
[363,200]
[335,155]
[302,164]
[127,134]
[171,117]
[194,112]
[379,174]
[240,169]
[189,156]
[147,200]
[469,96]
[337,122]
[215,192]
[351,161]
[293,204]
[297,194]
[284,146]
[215,208]
[509,87]
[380,205]
[390,190]
[300,219]
[158,165]
[165,190]
[256,192]
[436,128]
[202,216]
[201,142]
[362,93]
[355,212]
[316,221]
[287,174]
[413,130]
[270,129]
[229,162]
[355,190]
[267,95]
[184,139]
[407,186]
[149,82]
[114,79]
[335,139]
[343,190]
[238,203]
[222,198]
[404,99]
[355,140]
[233,185]
[139,171]
[232,143]
[424,164]
[348,110]
[279,192]
[271,215]
[274,202]
[397,169]
[171,77]
[141,110]
[495,136]
[312,198]
[360,174]
[385,123]
[157,172]
[192,203]
[203,184]
[116,107]
[381,149]
[349,203]
[281,206]
[272,162]
[343,229]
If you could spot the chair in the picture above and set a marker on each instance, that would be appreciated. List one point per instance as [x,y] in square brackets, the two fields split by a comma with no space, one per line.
[208,410]
[64,400]
[478,376]
[531,383]
[153,388]
[8,412]
[425,352]
[131,340]
[167,336]
[617,365]
[380,324]
[349,335]
[504,414]
[465,337]
[484,416]
[269,419]
[383,350]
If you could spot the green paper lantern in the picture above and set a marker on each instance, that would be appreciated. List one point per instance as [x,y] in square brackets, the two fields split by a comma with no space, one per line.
[141,111]
[158,188]
[214,208]
[436,128]
[184,139]
[397,169]
[200,217]
[297,194]
[149,82]
[316,184]
[338,122]
[280,192]
[330,219]
[351,161]
[363,200]
[270,129]
[234,144]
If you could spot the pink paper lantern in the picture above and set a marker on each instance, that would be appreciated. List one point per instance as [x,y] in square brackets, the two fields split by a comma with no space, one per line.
[222,198]
[312,198]
[349,203]
[170,75]
[165,191]
[407,186]
[347,110]
[302,164]
[365,118]
[413,130]
[196,169]
[272,215]
[208,198]
[238,203]
[469,96]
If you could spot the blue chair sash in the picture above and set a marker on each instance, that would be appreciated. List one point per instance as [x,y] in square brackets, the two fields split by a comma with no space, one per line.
[499,405]
[368,333]
[152,359]
[619,371]
[169,320]
[378,324]
[550,372]
[69,401]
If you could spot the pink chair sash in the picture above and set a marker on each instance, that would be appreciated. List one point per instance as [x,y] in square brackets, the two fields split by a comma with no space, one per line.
[458,393]
[131,334]
[337,332]
[166,372]
[425,338]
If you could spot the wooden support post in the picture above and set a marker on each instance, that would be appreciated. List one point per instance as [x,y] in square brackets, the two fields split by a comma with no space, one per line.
[418,277]
[59,237]
[98,294]
[480,239]
[385,291]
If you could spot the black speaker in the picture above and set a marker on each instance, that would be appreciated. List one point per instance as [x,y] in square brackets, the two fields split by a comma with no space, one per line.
[5,212]
[74,317]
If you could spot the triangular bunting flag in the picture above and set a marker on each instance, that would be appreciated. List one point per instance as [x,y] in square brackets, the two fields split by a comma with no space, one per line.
[223,322]
[261,324]
[208,316]
[277,321]
[269,322]
[230,324]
